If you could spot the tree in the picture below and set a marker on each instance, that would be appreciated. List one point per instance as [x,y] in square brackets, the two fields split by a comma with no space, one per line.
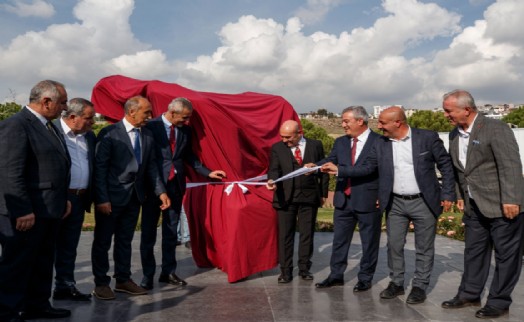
[8,109]
[515,117]
[322,112]
[429,120]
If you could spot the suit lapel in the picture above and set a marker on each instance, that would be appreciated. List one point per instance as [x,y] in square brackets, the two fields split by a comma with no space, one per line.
[473,138]
[416,141]
[365,150]
[124,137]
[44,132]
[454,149]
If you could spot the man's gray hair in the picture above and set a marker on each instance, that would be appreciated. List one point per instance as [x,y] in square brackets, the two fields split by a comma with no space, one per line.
[359,113]
[76,106]
[45,88]
[132,103]
[179,104]
[464,98]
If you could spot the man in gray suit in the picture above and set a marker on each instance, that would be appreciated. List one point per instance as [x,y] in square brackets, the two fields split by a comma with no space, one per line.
[34,177]
[124,160]
[355,202]
[75,127]
[409,191]
[491,192]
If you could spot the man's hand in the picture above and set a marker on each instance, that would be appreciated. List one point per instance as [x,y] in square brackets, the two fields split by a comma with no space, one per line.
[166,202]
[446,204]
[322,201]
[510,210]
[68,210]
[104,208]
[217,174]
[26,222]
[270,185]
[309,165]
[460,205]
[329,168]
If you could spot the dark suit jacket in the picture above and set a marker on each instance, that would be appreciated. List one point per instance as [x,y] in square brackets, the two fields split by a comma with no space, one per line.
[365,189]
[34,168]
[183,153]
[117,173]
[493,168]
[91,145]
[283,162]
[428,151]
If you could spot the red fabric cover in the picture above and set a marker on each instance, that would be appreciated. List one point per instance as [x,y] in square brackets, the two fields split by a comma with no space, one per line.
[234,133]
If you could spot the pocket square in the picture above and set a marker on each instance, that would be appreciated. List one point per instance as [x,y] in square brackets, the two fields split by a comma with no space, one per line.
[425,152]
[476,142]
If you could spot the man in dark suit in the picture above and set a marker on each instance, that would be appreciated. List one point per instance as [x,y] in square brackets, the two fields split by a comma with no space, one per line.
[124,160]
[488,170]
[172,140]
[355,202]
[297,198]
[75,126]
[409,191]
[34,177]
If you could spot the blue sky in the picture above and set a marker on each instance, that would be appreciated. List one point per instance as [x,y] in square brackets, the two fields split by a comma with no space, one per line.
[315,53]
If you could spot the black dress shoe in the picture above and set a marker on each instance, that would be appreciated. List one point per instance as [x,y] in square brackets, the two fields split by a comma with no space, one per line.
[392,291]
[362,286]
[457,303]
[329,282]
[490,312]
[284,279]
[72,294]
[306,275]
[416,296]
[172,279]
[147,283]
[47,313]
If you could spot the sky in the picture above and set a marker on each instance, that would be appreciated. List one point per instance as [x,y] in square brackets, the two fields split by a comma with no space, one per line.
[314,53]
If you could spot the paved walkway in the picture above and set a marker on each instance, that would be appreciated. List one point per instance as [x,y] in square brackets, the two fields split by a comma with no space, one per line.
[209,297]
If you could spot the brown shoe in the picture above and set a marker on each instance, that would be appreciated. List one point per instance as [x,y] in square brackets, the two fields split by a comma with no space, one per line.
[130,287]
[103,292]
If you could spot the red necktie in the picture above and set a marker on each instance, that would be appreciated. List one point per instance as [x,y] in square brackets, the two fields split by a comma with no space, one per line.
[347,191]
[298,156]
[172,144]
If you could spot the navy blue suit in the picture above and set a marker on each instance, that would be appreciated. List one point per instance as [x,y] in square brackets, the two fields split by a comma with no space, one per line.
[34,178]
[176,187]
[120,180]
[359,207]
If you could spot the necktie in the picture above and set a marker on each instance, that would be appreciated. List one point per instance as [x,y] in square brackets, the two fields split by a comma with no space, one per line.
[298,156]
[136,148]
[347,191]
[172,144]
[54,133]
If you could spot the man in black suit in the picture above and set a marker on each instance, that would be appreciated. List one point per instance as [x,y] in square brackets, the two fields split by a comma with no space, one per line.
[75,126]
[124,160]
[488,170]
[34,177]
[173,150]
[409,191]
[355,202]
[297,198]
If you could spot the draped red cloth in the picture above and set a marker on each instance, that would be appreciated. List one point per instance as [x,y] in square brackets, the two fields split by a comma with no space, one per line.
[231,132]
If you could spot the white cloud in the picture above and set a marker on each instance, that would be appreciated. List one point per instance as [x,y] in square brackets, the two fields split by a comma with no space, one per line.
[37,8]
[315,10]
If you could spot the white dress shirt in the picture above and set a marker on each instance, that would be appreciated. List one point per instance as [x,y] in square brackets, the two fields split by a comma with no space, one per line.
[77,147]
[405,182]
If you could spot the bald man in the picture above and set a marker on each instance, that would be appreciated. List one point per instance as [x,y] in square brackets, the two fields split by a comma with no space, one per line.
[297,198]
[409,191]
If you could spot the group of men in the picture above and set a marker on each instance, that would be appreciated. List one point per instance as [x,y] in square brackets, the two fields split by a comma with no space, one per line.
[52,172]
[395,174]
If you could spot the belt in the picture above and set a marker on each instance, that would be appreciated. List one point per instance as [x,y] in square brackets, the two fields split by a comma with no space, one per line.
[77,192]
[408,197]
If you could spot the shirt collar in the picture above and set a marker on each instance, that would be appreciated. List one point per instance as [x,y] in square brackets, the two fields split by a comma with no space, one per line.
[406,138]
[364,135]
[466,133]
[38,115]
[167,124]
[129,127]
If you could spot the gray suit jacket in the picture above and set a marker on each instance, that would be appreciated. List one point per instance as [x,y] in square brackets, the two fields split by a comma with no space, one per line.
[91,144]
[428,151]
[117,173]
[493,169]
[34,168]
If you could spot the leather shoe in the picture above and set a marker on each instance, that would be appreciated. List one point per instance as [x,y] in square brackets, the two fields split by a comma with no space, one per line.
[329,282]
[284,278]
[306,275]
[72,294]
[416,296]
[47,313]
[172,279]
[490,312]
[392,291]
[147,283]
[362,286]
[457,303]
